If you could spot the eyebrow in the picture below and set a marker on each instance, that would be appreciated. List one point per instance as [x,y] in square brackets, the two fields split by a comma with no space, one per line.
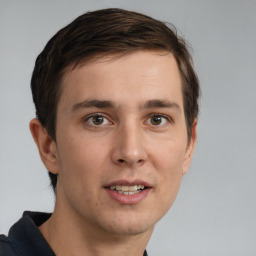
[154,103]
[93,104]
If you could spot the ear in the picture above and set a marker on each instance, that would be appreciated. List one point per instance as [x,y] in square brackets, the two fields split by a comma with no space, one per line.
[45,144]
[190,148]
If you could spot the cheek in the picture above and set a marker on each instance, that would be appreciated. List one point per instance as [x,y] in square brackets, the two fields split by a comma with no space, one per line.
[168,161]
[168,156]
[80,161]
[80,172]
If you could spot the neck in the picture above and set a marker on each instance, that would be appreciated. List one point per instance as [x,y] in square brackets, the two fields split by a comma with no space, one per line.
[68,235]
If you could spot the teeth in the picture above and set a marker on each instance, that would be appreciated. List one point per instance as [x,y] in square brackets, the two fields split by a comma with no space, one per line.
[127,190]
[142,186]
[124,188]
[132,188]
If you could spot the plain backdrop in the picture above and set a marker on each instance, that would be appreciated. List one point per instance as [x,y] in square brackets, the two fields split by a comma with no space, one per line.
[215,211]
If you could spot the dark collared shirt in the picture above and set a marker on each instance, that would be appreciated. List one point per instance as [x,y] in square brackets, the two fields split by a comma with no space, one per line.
[25,239]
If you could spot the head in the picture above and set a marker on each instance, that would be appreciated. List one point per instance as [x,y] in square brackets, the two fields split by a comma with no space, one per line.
[97,35]
[117,101]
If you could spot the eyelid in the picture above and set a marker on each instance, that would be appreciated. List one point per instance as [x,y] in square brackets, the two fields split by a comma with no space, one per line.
[86,118]
[162,115]
[166,117]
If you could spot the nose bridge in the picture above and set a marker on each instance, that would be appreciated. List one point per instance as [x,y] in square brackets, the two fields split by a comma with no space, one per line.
[129,146]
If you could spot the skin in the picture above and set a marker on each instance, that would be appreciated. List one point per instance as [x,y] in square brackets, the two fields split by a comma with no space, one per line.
[128,145]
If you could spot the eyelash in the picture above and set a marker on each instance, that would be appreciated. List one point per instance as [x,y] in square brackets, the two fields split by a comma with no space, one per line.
[95,116]
[167,118]
[163,116]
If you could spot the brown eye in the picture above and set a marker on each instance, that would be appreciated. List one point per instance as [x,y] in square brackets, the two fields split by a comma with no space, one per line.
[98,120]
[156,120]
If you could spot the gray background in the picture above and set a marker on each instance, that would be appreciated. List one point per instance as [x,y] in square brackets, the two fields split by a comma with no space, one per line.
[215,211]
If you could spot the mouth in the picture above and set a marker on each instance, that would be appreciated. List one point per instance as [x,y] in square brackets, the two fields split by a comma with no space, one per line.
[128,190]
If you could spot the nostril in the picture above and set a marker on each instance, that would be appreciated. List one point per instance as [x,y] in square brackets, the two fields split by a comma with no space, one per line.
[122,161]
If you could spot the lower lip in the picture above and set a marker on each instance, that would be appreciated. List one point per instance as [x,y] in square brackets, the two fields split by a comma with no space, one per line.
[128,199]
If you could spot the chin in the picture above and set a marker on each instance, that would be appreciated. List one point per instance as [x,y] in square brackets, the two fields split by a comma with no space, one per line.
[129,230]
[127,226]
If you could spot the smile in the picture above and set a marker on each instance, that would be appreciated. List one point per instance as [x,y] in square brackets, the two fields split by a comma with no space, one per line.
[127,190]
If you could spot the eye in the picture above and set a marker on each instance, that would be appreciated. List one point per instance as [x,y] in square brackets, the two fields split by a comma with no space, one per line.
[157,120]
[97,120]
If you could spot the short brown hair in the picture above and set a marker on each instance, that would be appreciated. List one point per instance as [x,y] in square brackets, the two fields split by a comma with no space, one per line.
[100,33]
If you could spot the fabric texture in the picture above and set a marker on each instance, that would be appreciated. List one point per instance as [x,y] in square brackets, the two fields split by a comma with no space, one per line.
[25,239]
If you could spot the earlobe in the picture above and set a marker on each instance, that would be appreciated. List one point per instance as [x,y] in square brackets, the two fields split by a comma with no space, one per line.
[190,148]
[45,144]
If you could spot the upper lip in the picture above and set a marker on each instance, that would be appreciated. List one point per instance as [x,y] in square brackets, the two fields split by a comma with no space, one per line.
[128,183]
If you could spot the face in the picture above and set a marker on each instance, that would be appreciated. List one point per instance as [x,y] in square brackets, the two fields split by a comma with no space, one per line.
[121,142]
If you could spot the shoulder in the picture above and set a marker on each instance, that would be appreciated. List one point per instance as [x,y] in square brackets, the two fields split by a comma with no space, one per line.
[6,246]
[24,237]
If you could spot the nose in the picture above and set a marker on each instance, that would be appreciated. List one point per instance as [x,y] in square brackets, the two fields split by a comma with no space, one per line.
[129,147]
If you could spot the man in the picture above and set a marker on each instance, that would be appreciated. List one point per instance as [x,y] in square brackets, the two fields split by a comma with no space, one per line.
[116,102]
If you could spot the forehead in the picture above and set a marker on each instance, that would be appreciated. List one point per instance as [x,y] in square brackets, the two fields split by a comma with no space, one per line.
[128,79]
